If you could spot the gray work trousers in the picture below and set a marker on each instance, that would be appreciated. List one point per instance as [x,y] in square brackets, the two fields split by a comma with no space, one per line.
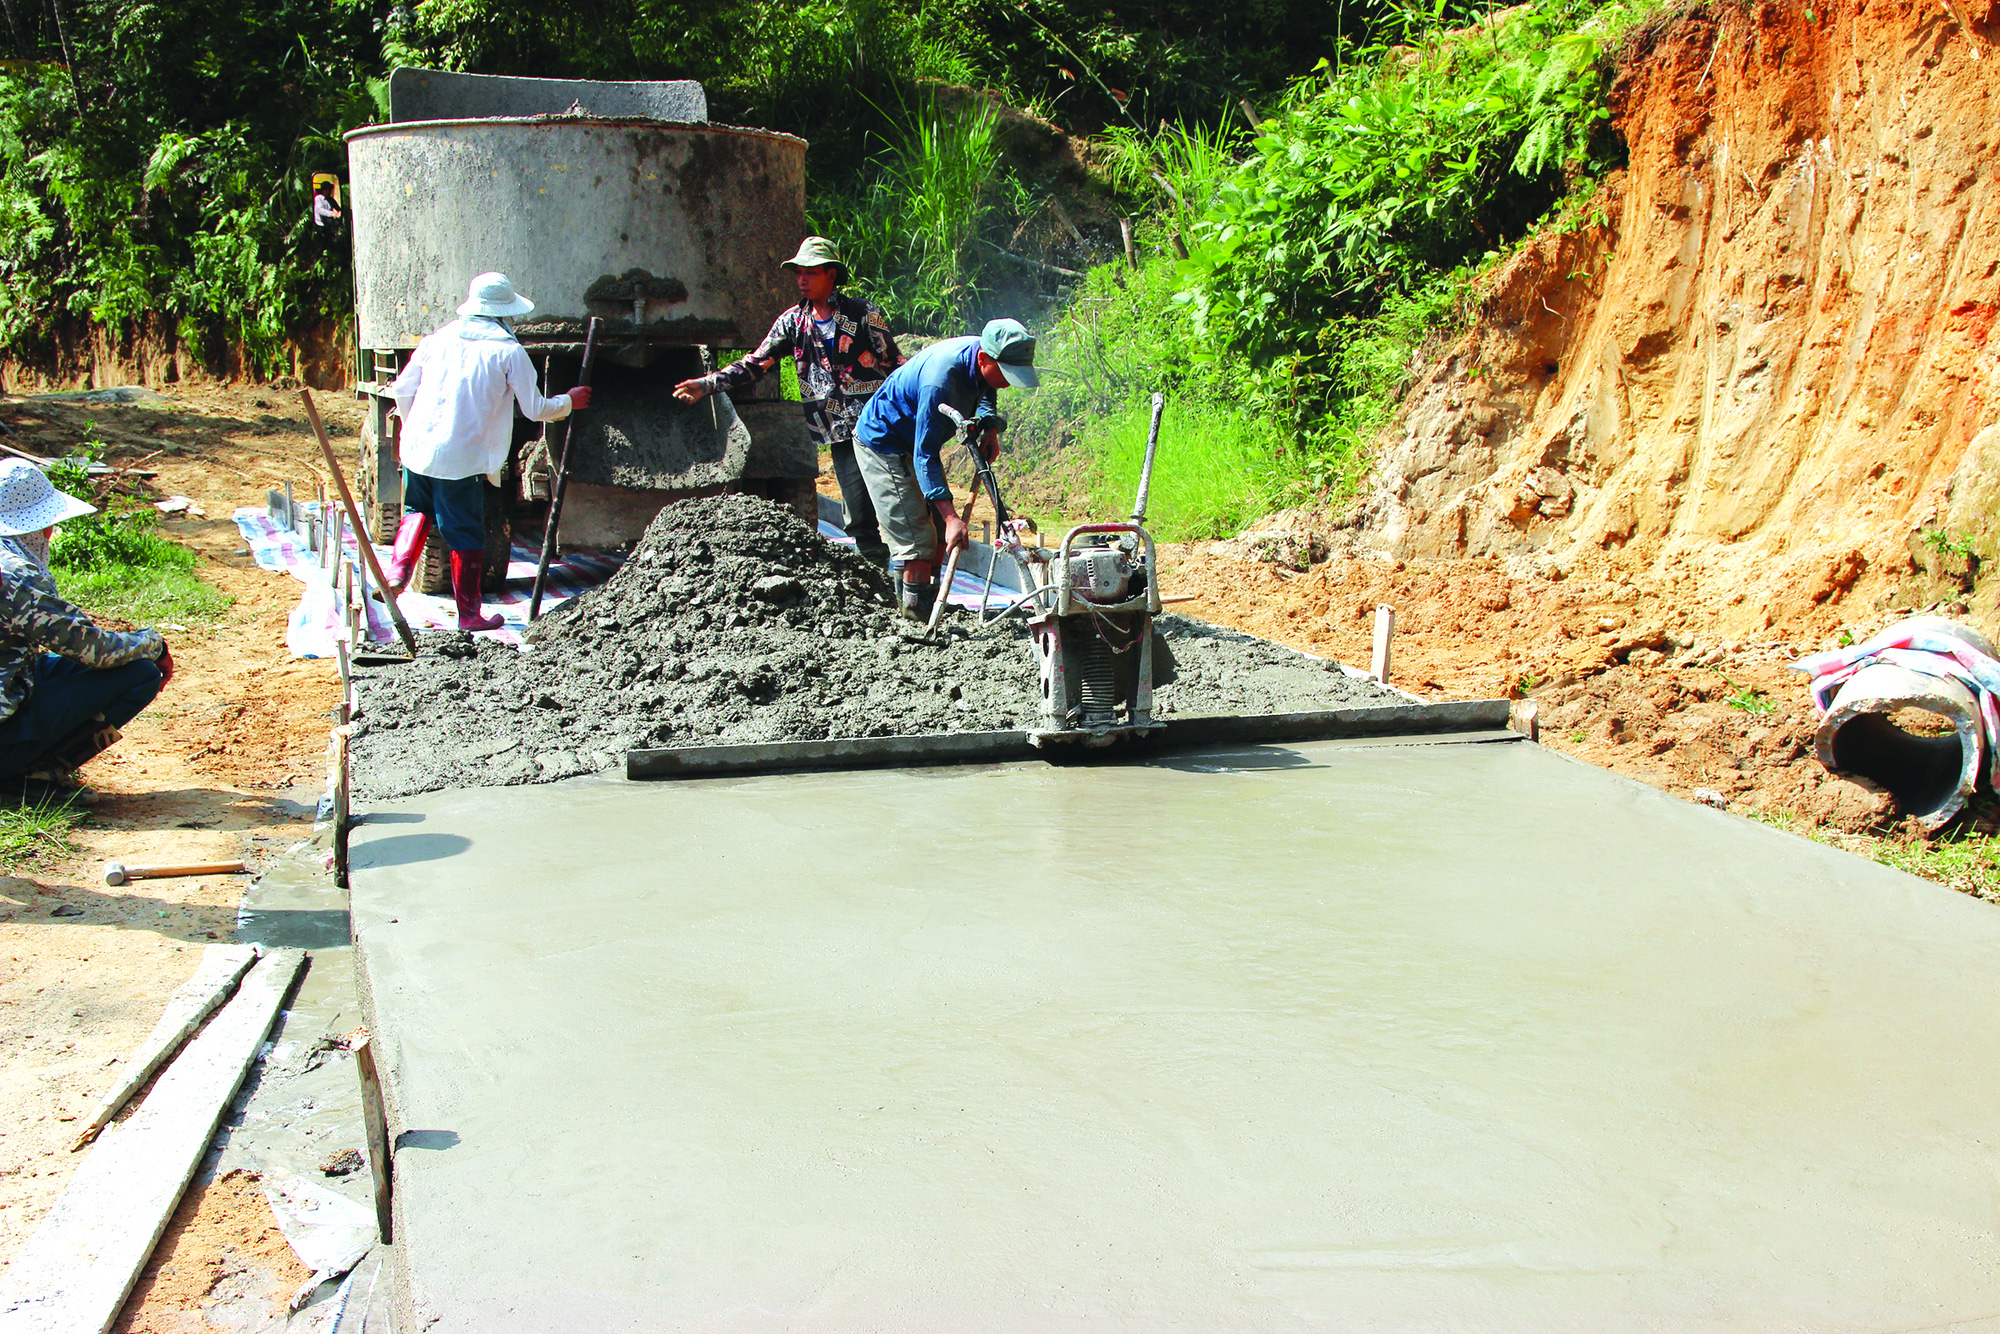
[857,508]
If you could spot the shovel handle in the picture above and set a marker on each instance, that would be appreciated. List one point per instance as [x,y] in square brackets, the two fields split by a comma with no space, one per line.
[944,587]
[562,478]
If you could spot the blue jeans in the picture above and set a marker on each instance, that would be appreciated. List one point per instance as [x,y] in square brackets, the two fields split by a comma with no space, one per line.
[66,695]
[457,506]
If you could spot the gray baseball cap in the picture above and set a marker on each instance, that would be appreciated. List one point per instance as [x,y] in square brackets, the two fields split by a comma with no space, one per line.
[1008,343]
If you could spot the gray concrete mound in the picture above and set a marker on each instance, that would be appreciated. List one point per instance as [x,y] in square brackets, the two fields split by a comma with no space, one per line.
[734,622]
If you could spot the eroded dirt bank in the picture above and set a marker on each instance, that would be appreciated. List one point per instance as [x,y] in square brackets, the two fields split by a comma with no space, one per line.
[1764,359]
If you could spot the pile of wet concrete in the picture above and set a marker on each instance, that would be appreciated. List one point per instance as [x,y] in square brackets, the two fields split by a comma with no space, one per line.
[731,622]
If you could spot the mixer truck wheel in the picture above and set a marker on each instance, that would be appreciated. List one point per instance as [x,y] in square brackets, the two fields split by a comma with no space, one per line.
[380,515]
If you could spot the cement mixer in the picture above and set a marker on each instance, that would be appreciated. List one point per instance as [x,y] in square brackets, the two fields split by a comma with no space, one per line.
[613,200]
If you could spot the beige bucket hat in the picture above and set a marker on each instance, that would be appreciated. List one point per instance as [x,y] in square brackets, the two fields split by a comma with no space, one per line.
[494,294]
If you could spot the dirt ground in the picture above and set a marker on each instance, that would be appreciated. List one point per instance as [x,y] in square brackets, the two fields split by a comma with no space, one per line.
[228,762]
[1633,678]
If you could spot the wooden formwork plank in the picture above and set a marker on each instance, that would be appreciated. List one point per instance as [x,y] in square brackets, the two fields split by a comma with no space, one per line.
[74,1274]
[222,967]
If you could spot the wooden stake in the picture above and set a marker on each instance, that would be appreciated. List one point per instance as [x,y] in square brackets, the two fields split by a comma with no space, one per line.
[1385,627]
[354,517]
[375,1121]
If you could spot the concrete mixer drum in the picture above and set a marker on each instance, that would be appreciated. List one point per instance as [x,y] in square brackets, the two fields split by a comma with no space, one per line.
[613,200]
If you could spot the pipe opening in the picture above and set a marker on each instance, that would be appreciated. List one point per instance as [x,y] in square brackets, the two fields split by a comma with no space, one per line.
[1915,754]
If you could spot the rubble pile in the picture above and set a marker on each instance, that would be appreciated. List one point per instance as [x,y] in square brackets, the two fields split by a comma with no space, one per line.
[735,622]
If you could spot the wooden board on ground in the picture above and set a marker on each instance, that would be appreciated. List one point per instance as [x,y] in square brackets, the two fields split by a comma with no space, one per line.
[222,967]
[75,1272]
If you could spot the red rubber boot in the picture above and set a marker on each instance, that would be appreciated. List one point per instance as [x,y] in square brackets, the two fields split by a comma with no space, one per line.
[409,549]
[467,569]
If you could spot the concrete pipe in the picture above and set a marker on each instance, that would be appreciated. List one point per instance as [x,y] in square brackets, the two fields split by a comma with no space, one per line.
[1930,776]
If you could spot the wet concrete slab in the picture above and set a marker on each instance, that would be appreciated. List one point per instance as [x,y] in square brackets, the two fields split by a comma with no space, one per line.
[1330,1036]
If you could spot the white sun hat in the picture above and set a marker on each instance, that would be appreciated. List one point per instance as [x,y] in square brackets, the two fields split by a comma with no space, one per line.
[29,503]
[494,294]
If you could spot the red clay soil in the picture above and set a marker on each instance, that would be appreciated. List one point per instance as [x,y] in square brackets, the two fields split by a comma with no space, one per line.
[1743,410]
[1618,678]
[1759,372]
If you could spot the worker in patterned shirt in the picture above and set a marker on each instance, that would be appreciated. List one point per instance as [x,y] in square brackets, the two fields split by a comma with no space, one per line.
[842,350]
[66,684]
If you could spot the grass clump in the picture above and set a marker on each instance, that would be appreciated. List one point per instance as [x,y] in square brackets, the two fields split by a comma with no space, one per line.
[37,833]
[116,563]
[909,225]
[1966,861]
[1209,475]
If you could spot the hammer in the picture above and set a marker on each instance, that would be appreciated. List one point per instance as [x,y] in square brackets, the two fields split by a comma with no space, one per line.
[117,873]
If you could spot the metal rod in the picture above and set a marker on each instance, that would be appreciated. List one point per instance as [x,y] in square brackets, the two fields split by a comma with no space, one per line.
[354,517]
[561,486]
[1146,469]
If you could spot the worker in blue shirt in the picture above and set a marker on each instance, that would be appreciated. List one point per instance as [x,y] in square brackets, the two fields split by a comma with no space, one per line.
[901,433]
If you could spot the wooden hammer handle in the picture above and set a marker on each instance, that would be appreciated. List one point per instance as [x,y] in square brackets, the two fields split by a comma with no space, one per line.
[192,868]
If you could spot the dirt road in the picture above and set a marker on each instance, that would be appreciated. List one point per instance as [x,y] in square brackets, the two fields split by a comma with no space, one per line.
[228,762]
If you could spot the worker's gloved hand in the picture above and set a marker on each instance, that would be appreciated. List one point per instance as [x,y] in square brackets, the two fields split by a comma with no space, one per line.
[691,391]
[955,535]
[165,662]
[579,397]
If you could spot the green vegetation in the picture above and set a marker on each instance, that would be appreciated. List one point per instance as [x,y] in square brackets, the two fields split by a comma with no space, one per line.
[1316,189]
[1751,701]
[34,834]
[1966,860]
[1323,252]
[1209,481]
[115,563]
[1947,543]
[154,168]
[906,229]
[155,159]
[1965,856]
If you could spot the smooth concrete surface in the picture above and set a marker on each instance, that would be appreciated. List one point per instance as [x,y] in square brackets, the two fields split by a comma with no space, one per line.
[1338,1036]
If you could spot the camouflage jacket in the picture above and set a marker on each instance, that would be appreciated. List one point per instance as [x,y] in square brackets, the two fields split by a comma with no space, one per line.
[35,620]
[835,384]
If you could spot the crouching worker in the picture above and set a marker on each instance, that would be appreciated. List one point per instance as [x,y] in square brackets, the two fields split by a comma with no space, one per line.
[66,685]
[456,399]
[901,433]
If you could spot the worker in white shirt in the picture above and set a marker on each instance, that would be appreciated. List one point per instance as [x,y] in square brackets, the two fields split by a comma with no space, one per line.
[456,399]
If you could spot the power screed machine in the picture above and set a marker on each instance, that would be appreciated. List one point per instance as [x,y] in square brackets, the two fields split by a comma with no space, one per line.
[1090,603]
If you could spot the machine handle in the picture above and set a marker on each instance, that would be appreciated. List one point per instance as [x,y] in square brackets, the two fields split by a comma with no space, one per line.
[1064,598]
[1146,469]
